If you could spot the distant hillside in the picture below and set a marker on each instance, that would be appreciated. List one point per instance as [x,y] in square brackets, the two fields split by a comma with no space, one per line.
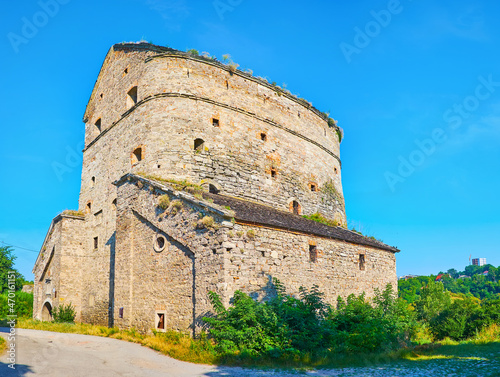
[478,281]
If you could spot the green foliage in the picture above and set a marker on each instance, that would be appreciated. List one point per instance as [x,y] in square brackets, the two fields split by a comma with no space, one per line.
[288,326]
[22,303]
[409,289]
[455,321]
[452,308]
[319,218]
[246,327]
[6,266]
[387,324]
[432,301]
[64,313]
[473,283]
[193,52]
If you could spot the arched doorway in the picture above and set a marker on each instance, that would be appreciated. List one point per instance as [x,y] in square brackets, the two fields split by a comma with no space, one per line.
[47,312]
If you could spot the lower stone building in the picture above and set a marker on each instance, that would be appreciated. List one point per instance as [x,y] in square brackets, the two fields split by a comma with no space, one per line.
[174,243]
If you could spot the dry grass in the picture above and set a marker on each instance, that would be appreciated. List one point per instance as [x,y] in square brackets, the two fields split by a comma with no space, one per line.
[3,345]
[488,334]
[163,201]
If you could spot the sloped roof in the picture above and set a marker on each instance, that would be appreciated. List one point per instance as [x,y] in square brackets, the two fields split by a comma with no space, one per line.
[262,215]
[254,213]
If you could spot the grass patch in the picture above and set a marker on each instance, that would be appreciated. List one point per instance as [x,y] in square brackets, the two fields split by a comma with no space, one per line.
[319,218]
[176,184]
[3,344]
[71,212]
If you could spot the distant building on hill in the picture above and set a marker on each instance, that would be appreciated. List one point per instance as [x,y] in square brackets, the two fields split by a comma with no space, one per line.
[479,261]
[406,277]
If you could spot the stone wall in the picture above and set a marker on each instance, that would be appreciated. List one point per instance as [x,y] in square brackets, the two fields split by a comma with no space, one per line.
[180,97]
[224,258]
[166,114]
[58,272]
[175,279]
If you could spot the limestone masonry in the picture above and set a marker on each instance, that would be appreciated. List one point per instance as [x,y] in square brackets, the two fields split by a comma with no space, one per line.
[195,177]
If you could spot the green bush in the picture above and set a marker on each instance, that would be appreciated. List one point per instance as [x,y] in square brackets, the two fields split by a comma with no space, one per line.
[287,326]
[455,322]
[23,304]
[64,313]
[361,326]
[432,301]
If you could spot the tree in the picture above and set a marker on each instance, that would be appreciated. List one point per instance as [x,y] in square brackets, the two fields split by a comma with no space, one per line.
[453,273]
[433,300]
[7,265]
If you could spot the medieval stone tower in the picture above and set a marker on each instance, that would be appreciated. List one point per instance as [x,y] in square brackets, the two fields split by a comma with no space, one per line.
[195,176]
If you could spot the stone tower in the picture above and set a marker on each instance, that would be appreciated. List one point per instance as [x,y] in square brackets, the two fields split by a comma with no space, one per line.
[159,121]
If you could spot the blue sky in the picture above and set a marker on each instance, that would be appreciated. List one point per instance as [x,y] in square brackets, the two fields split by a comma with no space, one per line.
[414,84]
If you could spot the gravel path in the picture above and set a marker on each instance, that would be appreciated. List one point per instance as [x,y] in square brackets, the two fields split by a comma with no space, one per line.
[43,353]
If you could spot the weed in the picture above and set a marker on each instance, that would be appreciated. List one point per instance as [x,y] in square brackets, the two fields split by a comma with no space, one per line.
[233,67]
[206,222]
[163,201]
[251,233]
[71,212]
[176,206]
[319,218]
[176,184]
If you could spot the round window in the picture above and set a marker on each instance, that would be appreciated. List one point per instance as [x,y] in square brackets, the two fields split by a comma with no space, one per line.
[160,243]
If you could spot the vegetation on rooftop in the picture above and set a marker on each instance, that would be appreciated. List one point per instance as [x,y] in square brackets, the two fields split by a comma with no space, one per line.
[319,218]
[180,185]
[72,212]
[280,90]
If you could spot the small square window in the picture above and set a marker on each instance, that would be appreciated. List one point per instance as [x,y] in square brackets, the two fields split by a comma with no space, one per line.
[313,253]
[361,262]
[215,122]
[132,97]
[314,188]
[274,172]
[160,321]
[263,136]
[98,125]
